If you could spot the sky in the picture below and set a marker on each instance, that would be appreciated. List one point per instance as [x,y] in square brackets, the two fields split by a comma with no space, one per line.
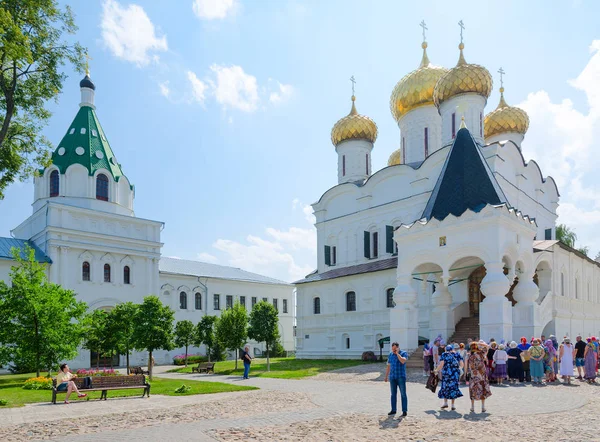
[220,111]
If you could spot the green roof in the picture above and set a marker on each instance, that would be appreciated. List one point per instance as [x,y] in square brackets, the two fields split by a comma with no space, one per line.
[90,148]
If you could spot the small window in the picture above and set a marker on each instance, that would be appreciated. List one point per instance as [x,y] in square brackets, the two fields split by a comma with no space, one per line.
[548,234]
[453,125]
[83,131]
[347,342]
[106,272]
[94,133]
[85,271]
[216,302]
[265,300]
[389,298]
[426,141]
[183,301]
[351,302]
[333,255]
[285,308]
[367,164]
[276,304]
[126,275]
[343,165]
[72,131]
[480,124]
[102,187]
[243,301]
[228,301]
[54,183]
[198,301]
[253,301]
[317,306]
[375,243]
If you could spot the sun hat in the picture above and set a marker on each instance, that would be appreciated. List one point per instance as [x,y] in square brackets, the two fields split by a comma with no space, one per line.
[567,340]
[449,348]
[513,344]
[455,346]
[501,347]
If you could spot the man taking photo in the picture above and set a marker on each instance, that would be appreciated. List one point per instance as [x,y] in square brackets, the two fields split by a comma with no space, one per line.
[396,374]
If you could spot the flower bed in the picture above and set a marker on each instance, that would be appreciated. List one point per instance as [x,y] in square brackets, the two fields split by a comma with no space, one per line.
[192,359]
[95,372]
[40,383]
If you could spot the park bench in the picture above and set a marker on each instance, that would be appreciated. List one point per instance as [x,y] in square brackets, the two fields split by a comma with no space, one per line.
[106,383]
[138,370]
[204,367]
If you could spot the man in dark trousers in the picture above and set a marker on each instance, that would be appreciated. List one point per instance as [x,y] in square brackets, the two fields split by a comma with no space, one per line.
[247,361]
[396,374]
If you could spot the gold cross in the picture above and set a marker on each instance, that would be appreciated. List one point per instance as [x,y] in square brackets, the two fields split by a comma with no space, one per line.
[501,72]
[353,83]
[87,63]
[462,27]
[424,26]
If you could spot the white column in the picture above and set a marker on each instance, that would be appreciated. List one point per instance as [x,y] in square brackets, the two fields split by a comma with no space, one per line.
[441,321]
[54,254]
[495,312]
[404,316]
[64,265]
[526,321]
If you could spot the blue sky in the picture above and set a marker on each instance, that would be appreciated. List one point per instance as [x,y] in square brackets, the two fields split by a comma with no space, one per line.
[220,111]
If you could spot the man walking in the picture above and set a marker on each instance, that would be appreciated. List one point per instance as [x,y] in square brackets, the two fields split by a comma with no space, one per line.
[396,374]
[579,356]
[247,361]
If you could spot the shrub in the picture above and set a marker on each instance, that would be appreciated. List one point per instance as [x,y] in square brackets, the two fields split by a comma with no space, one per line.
[369,356]
[40,383]
[192,359]
[3,402]
[183,389]
[276,350]
[82,372]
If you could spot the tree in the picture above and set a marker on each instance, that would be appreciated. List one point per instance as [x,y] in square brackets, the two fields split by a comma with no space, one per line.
[566,235]
[33,51]
[205,333]
[232,328]
[585,250]
[123,318]
[95,333]
[153,328]
[264,326]
[40,320]
[184,335]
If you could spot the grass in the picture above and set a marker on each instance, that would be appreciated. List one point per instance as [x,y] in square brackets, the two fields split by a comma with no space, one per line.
[11,391]
[282,368]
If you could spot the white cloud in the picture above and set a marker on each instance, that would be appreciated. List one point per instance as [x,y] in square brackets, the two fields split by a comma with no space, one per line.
[207,257]
[563,141]
[164,89]
[308,214]
[198,87]
[235,89]
[295,203]
[283,93]
[213,9]
[130,34]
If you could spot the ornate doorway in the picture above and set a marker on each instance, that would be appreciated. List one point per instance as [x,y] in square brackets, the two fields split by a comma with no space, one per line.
[475,295]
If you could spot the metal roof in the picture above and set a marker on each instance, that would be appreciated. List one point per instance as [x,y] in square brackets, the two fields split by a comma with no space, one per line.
[6,244]
[206,270]
[374,266]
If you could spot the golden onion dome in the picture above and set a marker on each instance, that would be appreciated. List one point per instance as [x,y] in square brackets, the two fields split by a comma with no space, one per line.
[354,127]
[416,88]
[462,79]
[505,119]
[395,158]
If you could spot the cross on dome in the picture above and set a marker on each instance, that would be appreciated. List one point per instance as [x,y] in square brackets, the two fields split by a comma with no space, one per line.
[87,63]
[462,27]
[353,81]
[501,72]
[424,26]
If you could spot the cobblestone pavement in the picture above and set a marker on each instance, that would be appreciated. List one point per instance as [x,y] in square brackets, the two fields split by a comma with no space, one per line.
[348,404]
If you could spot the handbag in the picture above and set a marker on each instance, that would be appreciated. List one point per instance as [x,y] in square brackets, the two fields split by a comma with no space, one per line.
[432,382]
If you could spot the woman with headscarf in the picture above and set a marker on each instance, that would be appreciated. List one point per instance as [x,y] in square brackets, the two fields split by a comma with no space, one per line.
[449,365]
[549,358]
[427,360]
[479,387]
[566,354]
[591,360]
[490,356]
[536,361]
[524,347]
[500,358]
[515,363]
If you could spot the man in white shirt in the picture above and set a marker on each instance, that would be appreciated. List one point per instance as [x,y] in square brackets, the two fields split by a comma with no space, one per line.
[64,382]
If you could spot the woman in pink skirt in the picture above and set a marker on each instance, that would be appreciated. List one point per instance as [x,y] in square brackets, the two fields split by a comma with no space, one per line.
[500,358]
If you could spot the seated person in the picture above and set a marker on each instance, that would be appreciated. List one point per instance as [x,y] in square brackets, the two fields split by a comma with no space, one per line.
[64,382]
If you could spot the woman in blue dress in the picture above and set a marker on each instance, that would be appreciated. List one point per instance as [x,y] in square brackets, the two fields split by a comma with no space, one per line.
[449,365]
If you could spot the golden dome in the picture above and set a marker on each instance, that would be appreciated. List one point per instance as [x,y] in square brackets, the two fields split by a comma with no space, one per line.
[354,127]
[416,88]
[505,119]
[463,78]
[395,158]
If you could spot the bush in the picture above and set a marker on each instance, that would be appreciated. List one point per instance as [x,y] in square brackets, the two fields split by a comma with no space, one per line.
[183,389]
[3,402]
[218,353]
[276,350]
[40,383]
[82,372]
[192,359]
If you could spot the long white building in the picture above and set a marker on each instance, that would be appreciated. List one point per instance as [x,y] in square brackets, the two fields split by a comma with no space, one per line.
[458,227]
[84,227]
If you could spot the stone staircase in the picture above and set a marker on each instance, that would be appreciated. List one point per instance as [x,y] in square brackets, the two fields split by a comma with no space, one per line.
[465,329]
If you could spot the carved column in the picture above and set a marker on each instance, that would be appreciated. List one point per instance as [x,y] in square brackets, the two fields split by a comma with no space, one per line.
[495,312]
[526,321]
[404,316]
[441,321]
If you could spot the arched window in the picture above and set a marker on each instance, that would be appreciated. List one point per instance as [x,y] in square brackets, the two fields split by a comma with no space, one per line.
[183,301]
[85,271]
[576,288]
[126,275]
[198,301]
[102,187]
[562,284]
[54,183]
[389,294]
[350,302]
[317,306]
[106,272]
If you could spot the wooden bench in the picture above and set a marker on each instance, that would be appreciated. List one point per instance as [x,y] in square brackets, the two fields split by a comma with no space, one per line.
[204,367]
[138,370]
[106,383]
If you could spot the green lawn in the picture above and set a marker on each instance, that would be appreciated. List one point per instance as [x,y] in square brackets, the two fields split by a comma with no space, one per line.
[10,390]
[284,368]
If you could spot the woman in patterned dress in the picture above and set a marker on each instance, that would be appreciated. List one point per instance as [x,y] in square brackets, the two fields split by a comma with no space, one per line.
[591,362]
[450,365]
[479,386]
[536,362]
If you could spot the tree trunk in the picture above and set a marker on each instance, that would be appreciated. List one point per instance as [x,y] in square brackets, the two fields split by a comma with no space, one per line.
[128,361]
[37,347]
[268,359]
[97,359]
[150,365]
[186,351]
[237,353]
[208,352]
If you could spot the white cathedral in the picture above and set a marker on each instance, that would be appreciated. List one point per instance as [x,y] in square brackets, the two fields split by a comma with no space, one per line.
[84,228]
[455,237]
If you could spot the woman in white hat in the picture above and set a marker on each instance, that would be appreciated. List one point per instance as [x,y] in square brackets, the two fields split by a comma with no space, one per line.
[566,354]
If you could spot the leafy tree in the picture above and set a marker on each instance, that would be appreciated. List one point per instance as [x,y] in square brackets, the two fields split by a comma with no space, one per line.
[40,320]
[95,326]
[585,250]
[566,235]
[123,318]
[232,329]
[264,326]
[33,51]
[153,328]
[184,335]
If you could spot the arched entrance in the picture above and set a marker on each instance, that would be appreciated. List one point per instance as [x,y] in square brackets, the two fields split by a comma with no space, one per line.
[475,295]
